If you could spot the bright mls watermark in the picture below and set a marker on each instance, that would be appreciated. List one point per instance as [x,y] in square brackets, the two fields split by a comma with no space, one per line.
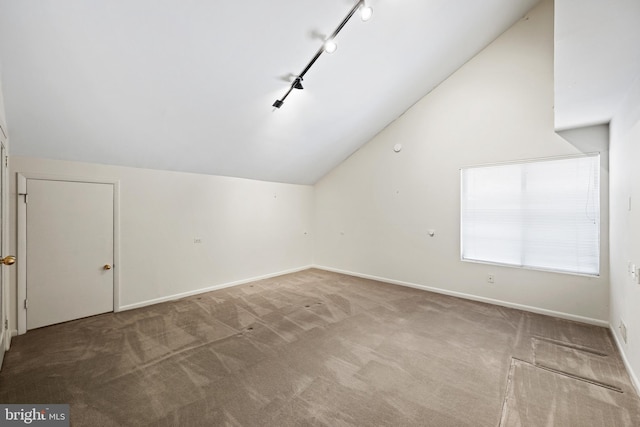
[34,415]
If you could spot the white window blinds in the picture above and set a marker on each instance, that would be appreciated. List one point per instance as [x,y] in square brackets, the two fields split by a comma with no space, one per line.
[539,214]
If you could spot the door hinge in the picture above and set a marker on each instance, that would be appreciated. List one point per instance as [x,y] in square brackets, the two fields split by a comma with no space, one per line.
[6,323]
[6,161]
[26,196]
[25,304]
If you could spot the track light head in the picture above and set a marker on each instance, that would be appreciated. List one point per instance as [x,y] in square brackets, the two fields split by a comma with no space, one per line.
[366,12]
[297,83]
[330,46]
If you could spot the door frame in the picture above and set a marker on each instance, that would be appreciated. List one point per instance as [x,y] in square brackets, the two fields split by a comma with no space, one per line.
[22,178]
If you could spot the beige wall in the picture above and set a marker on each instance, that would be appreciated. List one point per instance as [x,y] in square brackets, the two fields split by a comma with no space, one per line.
[625,227]
[249,229]
[373,211]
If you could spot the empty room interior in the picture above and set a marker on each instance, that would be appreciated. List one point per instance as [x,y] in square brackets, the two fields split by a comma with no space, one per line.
[338,213]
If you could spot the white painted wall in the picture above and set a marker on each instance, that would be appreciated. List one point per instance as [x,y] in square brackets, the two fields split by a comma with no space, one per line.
[3,118]
[249,229]
[373,211]
[625,226]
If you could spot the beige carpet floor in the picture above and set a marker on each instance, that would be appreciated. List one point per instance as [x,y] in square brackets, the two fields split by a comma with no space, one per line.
[322,349]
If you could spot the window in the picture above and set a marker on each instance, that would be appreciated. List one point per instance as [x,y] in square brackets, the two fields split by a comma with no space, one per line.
[539,214]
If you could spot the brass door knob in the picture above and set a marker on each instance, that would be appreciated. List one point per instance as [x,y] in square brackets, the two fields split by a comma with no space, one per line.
[107,267]
[8,260]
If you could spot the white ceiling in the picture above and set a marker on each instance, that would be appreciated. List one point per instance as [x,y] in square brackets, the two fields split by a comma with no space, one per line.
[188,85]
[597,59]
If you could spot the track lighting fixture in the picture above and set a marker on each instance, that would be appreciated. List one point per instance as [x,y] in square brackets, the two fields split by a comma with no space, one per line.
[328,46]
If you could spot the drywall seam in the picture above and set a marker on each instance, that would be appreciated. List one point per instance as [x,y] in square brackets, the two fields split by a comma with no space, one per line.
[532,309]
[632,374]
[209,289]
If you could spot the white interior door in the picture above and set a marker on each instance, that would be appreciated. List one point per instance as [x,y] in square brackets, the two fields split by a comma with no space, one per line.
[69,250]
[5,334]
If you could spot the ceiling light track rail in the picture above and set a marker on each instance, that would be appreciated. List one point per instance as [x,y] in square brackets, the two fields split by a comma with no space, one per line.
[328,46]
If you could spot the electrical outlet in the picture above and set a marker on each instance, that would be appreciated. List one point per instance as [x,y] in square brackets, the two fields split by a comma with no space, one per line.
[197,240]
[623,331]
[490,278]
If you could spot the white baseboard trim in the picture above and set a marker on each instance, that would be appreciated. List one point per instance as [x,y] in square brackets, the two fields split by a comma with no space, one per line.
[632,374]
[208,289]
[532,309]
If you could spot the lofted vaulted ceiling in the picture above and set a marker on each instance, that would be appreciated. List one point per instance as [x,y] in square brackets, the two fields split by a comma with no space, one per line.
[597,59]
[189,85]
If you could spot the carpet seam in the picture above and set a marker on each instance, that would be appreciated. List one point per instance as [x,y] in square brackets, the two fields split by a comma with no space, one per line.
[506,392]
[570,345]
[575,377]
